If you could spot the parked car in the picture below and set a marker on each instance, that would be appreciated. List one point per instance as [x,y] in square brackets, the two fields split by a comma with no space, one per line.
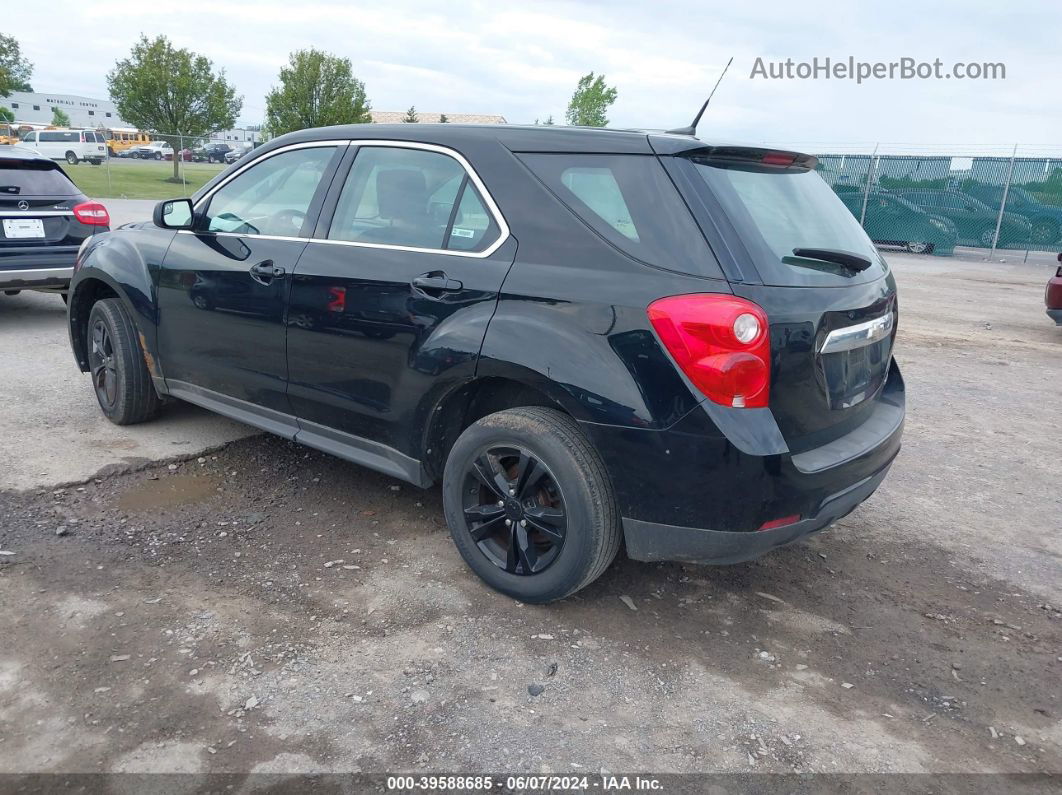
[974,219]
[1053,295]
[891,220]
[44,219]
[156,150]
[1046,219]
[73,146]
[690,349]
[236,153]
[186,155]
[215,153]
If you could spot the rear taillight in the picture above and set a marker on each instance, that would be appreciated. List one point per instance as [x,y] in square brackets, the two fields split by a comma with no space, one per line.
[779,159]
[720,342]
[92,213]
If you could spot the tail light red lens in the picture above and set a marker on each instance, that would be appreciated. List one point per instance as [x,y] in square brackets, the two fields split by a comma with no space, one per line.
[721,343]
[92,213]
[779,159]
[785,521]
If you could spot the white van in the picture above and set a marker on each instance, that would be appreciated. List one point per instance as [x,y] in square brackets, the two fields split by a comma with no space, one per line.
[73,146]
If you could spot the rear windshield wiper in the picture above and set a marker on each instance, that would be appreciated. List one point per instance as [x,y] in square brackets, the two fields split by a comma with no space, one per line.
[10,189]
[846,259]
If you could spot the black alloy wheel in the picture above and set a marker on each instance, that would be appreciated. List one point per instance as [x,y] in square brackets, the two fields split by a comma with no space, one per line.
[102,365]
[120,377]
[530,505]
[514,510]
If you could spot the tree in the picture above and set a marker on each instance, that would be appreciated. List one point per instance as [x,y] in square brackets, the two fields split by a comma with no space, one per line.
[590,102]
[59,118]
[173,93]
[411,116]
[6,114]
[443,119]
[549,121]
[15,71]
[316,89]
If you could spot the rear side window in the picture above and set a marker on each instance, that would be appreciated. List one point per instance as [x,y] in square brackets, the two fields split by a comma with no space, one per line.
[32,178]
[631,202]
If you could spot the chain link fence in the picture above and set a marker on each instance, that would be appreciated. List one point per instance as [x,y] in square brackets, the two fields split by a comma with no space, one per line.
[128,164]
[929,202]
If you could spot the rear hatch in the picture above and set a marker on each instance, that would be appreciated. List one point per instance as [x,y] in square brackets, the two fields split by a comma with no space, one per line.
[36,206]
[787,243]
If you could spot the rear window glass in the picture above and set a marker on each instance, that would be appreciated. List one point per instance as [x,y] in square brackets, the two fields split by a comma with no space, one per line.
[32,178]
[777,210]
[631,202]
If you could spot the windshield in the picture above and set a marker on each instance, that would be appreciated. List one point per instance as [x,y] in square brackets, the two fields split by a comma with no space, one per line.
[775,211]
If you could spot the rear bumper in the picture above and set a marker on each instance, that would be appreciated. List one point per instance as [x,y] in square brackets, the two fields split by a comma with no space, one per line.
[1055,315]
[701,489]
[655,542]
[36,278]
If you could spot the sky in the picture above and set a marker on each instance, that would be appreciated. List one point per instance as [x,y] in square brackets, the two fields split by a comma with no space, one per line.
[522,60]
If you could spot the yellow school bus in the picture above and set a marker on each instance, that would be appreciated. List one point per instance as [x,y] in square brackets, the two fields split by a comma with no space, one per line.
[121,138]
[10,133]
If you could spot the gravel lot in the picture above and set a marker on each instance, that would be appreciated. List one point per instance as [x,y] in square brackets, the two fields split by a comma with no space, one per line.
[265,608]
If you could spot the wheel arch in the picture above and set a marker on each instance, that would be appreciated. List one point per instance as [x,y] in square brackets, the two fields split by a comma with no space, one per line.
[92,283]
[475,399]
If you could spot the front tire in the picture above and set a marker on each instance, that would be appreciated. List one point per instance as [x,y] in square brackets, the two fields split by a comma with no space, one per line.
[919,248]
[120,377]
[158,155]
[557,527]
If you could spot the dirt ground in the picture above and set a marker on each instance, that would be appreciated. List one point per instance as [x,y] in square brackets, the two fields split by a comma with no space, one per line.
[265,608]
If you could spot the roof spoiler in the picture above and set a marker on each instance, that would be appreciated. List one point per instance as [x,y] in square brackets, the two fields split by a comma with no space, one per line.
[748,155]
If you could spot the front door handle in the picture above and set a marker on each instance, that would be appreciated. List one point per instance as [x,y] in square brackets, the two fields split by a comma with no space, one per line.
[265,271]
[436,283]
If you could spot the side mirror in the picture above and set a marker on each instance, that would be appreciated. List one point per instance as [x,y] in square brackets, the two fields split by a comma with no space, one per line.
[173,214]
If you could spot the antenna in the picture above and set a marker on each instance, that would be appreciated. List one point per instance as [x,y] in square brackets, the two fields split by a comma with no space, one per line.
[692,129]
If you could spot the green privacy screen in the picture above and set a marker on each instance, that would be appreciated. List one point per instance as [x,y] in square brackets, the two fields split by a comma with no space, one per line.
[931,203]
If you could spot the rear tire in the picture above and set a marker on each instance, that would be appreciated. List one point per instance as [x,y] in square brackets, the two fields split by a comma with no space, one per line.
[919,248]
[120,377]
[71,158]
[572,499]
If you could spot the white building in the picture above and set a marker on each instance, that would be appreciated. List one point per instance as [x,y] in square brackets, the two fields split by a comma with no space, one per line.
[36,108]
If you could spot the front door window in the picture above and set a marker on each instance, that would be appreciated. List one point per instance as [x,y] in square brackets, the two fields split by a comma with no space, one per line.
[272,197]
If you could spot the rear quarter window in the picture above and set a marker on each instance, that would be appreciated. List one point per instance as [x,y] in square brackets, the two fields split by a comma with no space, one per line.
[631,202]
[33,178]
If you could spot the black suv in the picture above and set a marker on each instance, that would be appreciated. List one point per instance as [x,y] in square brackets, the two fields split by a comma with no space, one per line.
[588,336]
[215,153]
[44,219]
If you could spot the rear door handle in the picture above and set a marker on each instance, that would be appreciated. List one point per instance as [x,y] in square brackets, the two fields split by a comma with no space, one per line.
[436,282]
[265,271]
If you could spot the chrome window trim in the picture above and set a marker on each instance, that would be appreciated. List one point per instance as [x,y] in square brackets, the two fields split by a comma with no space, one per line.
[304,145]
[852,337]
[492,206]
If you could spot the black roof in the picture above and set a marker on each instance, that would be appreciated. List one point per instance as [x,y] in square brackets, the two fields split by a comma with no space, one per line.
[518,138]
